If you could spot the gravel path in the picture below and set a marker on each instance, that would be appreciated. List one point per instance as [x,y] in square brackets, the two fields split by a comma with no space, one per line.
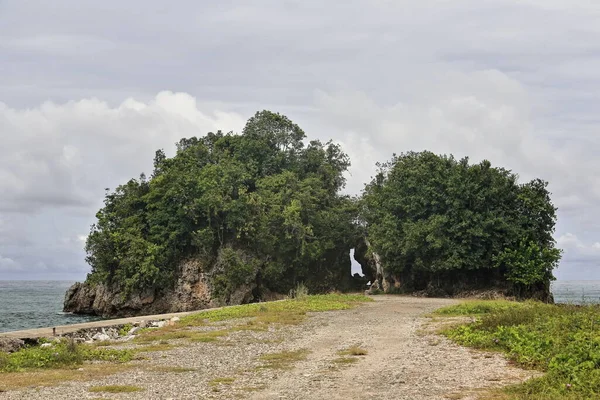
[404,361]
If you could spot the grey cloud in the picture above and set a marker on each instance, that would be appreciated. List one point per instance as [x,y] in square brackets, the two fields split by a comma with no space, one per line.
[513,82]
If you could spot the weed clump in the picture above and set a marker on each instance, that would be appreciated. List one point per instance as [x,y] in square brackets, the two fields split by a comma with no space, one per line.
[115,389]
[353,351]
[283,360]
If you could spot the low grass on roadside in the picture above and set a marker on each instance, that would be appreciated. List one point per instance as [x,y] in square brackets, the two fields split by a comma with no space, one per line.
[289,310]
[52,377]
[261,315]
[176,370]
[115,389]
[345,360]
[353,351]
[561,340]
[221,381]
[60,355]
[480,307]
[283,360]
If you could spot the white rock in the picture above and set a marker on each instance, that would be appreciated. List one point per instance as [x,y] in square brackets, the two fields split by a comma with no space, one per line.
[100,337]
[45,345]
[175,319]
[133,330]
[88,342]
[141,324]
[128,338]
[160,324]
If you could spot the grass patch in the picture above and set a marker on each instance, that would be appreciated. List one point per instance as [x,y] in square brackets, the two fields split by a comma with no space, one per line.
[105,343]
[125,329]
[61,355]
[221,381]
[283,360]
[561,340]
[345,360]
[176,370]
[353,351]
[115,389]
[479,307]
[209,336]
[296,307]
[53,377]
[155,347]
[172,334]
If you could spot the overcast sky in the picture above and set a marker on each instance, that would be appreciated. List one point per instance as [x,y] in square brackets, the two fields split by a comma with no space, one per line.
[90,89]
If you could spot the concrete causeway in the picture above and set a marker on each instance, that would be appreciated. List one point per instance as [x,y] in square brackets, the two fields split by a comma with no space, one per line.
[62,329]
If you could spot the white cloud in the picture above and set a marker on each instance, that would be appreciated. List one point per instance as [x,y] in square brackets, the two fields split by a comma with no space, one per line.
[570,242]
[66,154]
[8,265]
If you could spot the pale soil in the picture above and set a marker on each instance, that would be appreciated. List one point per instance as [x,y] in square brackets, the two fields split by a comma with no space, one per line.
[404,361]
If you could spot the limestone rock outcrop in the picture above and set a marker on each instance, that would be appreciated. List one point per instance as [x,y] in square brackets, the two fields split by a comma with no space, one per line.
[193,290]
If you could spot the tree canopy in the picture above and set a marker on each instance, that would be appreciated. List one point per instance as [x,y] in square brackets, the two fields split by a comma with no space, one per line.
[435,220]
[264,207]
[260,205]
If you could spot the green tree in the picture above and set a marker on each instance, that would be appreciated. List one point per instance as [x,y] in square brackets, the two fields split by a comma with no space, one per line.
[435,219]
[257,207]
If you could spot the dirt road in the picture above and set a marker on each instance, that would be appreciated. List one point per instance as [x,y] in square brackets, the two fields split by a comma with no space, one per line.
[403,361]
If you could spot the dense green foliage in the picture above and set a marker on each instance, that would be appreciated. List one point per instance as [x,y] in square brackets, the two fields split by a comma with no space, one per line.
[562,340]
[261,206]
[438,221]
[263,209]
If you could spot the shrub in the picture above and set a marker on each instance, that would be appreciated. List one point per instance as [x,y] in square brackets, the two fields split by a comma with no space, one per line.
[300,292]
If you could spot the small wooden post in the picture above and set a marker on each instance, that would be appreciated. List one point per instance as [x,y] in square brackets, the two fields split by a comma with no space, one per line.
[53,331]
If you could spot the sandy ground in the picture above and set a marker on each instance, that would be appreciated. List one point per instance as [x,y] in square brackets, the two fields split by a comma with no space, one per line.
[404,361]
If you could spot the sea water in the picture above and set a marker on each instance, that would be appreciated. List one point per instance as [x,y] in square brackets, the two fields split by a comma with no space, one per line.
[576,292]
[38,304]
[34,304]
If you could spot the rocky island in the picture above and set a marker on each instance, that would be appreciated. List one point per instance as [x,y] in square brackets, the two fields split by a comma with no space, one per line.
[241,218]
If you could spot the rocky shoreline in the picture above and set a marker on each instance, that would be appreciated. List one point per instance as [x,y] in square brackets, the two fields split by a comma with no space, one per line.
[116,332]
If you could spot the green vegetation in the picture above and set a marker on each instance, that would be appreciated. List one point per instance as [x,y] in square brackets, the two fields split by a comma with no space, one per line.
[259,207]
[284,359]
[349,355]
[221,381]
[115,389]
[176,370]
[477,307]
[345,360]
[439,223]
[51,377]
[171,334]
[161,346]
[353,351]
[263,210]
[60,355]
[261,315]
[125,329]
[561,340]
[278,311]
